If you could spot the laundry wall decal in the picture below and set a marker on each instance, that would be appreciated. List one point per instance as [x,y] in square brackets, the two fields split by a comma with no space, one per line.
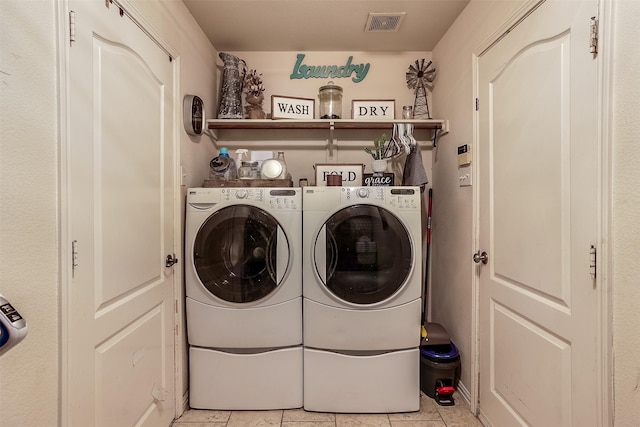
[304,71]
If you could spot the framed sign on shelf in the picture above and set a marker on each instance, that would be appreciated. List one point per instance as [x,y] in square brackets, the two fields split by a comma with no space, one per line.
[289,107]
[351,173]
[373,109]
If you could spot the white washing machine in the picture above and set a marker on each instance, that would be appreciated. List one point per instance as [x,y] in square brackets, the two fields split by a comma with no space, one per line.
[362,286]
[243,280]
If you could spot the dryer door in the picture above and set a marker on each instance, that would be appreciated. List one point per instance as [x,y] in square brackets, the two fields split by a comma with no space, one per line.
[363,254]
[241,254]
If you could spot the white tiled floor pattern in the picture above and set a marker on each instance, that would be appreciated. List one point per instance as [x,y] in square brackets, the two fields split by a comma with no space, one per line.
[430,415]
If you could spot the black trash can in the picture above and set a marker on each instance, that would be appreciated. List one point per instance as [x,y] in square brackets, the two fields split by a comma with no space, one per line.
[438,364]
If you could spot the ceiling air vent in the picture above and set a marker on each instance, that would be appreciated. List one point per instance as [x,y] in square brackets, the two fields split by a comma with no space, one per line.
[384,22]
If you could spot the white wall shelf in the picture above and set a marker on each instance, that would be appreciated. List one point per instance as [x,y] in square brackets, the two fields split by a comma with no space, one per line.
[225,125]
[319,124]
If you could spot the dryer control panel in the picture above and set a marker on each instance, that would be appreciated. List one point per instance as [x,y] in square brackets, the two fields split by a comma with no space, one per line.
[395,197]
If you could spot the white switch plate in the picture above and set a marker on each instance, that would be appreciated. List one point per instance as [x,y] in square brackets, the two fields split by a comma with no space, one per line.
[464,175]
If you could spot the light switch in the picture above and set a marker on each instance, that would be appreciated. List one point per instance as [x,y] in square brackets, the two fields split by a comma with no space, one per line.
[464,175]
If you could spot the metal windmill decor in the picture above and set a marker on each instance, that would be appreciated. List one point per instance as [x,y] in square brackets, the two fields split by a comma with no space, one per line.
[420,78]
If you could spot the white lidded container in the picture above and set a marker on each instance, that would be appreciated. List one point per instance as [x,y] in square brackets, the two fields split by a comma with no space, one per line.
[274,168]
[271,169]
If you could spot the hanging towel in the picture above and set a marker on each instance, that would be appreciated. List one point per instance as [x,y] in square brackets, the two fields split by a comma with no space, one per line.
[414,173]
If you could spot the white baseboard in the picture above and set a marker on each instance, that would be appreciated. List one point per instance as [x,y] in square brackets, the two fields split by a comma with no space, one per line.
[463,392]
[185,404]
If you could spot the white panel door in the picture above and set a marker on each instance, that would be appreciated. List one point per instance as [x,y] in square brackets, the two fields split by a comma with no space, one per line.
[121,168]
[538,218]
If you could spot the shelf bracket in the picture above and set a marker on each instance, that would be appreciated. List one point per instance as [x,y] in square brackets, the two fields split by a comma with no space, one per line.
[212,135]
[332,127]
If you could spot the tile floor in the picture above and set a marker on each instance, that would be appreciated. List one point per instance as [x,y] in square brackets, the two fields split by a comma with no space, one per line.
[430,415]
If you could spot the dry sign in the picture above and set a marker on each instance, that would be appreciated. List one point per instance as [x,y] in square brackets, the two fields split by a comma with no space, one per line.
[373,109]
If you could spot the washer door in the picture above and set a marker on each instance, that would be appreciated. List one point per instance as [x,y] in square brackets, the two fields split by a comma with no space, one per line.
[363,254]
[241,254]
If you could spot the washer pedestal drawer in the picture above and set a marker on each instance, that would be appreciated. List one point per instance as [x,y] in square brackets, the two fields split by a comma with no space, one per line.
[380,383]
[245,381]
[278,325]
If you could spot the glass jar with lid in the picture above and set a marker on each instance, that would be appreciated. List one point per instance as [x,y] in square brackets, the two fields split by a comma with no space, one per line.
[249,170]
[407,112]
[330,97]
[244,171]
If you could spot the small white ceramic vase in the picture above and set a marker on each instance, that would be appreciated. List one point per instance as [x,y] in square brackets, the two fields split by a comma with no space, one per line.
[379,166]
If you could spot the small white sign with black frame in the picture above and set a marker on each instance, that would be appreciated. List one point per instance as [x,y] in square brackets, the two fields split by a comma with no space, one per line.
[288,107]
[373,109]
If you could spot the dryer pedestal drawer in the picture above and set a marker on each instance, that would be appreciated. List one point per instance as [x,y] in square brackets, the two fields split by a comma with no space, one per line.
[381,383]
[249,381]
[336,328]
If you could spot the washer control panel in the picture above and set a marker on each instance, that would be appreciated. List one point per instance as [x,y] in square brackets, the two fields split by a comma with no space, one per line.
[286,199]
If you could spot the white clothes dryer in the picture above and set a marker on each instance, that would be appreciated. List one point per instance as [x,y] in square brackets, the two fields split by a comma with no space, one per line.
[362,276]
[362,287]
[243,281]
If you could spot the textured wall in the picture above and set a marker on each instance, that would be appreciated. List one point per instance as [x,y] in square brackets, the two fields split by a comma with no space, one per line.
[625,242]
[28,209]
[452,239]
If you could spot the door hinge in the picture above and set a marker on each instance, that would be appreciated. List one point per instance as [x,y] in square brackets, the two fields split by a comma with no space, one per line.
[593,261]
[74,256]
[593,37]
[477,104]
[72,26]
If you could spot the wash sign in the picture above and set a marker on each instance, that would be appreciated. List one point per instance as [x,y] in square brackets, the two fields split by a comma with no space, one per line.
[357,72]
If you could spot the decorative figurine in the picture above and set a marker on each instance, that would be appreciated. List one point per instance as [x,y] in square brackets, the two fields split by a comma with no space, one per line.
[253,88]
[420,78]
